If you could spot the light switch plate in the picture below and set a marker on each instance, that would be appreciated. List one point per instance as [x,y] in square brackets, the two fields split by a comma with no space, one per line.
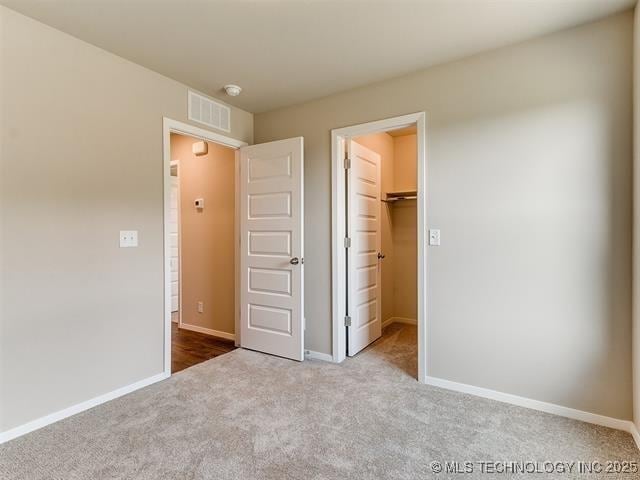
[128,238]
[434,237]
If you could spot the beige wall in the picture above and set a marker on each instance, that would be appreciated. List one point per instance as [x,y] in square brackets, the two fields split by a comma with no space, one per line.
[207,236]
[636,220]
[81,159]
[382,143]
[529,179]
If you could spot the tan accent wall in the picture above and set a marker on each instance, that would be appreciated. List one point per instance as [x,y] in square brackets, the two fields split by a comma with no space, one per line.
[207,236]
[80,159]
[405,229]
[405,167]
[529,180]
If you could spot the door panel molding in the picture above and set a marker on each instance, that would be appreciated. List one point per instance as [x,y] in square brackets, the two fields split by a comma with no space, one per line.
[272,238]
[364,225]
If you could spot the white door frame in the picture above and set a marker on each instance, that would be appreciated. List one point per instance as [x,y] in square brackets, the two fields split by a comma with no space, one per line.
[170,126]
[339,137]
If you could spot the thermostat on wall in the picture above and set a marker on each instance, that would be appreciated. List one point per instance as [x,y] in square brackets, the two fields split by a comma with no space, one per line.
[199,203]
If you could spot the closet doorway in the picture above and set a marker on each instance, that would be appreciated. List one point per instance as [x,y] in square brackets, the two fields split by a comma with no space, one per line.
[379,255]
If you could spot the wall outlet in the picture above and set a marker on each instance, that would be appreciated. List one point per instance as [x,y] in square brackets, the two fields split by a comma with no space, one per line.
[200,307]
[128,238]
[434,237]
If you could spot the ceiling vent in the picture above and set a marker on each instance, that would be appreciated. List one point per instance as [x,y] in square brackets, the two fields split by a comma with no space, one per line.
[210,113]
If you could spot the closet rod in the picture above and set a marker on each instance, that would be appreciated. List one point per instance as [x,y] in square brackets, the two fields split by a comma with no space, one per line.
[396,199]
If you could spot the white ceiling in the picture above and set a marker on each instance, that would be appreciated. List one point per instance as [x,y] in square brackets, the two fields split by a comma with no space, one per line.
[286,52]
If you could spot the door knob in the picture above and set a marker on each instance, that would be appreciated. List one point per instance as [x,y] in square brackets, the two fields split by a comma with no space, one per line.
[380,256]
[294,261]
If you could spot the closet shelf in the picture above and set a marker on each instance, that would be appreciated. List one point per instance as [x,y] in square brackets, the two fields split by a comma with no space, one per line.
[393,197]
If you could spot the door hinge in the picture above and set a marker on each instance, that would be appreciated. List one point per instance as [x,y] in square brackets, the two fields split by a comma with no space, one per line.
[347,242]
[347,163]
[347,321]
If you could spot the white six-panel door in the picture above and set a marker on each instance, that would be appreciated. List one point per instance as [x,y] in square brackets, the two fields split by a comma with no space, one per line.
[364,278]
[271,248]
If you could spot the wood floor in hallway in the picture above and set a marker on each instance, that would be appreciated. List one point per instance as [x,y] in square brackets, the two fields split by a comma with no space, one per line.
[190,348]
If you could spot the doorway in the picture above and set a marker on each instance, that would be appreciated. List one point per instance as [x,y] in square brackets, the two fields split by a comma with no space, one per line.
[379,254]
[202,242]
[253,245]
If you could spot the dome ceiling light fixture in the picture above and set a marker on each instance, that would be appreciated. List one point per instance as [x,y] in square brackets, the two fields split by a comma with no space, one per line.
[232,90]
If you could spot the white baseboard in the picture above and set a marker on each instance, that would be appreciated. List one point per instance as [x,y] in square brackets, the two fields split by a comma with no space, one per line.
[74,409]
[208,331]
[406,321]
[325,357]
[635,434]
[624,425]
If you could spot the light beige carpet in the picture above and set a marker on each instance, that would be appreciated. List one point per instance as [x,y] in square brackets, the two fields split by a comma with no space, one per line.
[246,415]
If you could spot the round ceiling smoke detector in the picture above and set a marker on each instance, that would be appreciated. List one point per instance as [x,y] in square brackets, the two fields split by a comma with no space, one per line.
[232,90]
